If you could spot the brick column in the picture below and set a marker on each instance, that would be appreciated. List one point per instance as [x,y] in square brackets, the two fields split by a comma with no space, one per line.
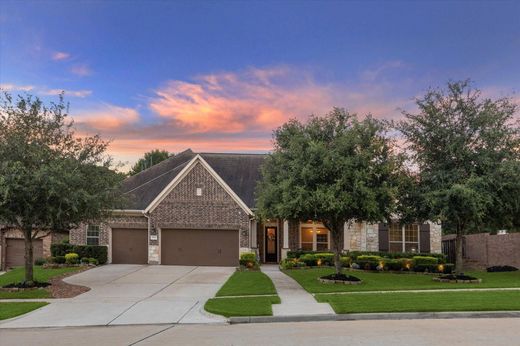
[285,247]
[254,243]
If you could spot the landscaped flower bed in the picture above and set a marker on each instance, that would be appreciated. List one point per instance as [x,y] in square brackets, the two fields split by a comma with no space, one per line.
[371,261]
[340,279]
[458,279]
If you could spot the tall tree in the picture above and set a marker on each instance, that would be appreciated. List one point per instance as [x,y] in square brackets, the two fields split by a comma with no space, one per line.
[50,179]
[149,159]
[466,149]
[333,169]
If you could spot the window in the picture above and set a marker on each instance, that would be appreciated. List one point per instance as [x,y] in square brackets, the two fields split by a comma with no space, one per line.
[314,237]
[403,239]
[411,238]
[395,236]
[307,238]
[92,235]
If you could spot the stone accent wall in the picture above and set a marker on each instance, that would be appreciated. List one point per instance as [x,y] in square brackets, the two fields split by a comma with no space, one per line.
[215,209]
[435,237]
[364,237]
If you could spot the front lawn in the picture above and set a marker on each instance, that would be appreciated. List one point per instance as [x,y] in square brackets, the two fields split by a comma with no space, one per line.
[422,301]
[10,310]
[246,283]
[40,274]
[248,306]
[308,279]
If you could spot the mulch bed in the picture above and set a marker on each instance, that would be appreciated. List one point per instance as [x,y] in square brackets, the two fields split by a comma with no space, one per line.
[340,279]
[452,278]
[61,289]
[56,286]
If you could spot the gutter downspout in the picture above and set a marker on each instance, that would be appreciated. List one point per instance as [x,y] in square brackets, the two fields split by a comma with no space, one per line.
[147,216]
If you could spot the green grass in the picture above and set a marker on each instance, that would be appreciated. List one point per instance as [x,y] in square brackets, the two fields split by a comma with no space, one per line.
[26,294]
[244,283]
[422,302]
[10,310]
[247,283]
[249,306]
[308,279]
[42,275]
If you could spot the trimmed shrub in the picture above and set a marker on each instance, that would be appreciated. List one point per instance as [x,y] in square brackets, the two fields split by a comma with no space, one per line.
[93,261]
[98,252]
[84,260]
[59,259]
[248,260]
[498,269]
[448,268]
[396,255]
[345,261]
[71,258]
[309,260]
[39,261]
[369,258]
[425,260]
[288,263]
[393,264]
[326,258]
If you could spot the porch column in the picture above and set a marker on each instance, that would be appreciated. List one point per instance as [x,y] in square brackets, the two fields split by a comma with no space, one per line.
[285,248]
[346,237]
[254,244]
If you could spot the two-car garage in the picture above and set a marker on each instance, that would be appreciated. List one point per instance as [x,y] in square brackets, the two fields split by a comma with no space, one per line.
[178,247]
[199,247]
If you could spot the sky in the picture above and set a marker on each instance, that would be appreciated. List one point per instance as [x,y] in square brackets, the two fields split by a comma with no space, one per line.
[220,76]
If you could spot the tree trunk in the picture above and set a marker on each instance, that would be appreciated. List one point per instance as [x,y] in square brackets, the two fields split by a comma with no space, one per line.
[336,247]
[459,264]
[29,277]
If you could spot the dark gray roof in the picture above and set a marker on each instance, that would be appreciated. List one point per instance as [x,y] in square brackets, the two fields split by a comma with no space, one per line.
[240,171]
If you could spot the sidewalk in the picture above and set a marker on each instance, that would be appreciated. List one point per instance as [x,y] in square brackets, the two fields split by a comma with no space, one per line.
[295,300]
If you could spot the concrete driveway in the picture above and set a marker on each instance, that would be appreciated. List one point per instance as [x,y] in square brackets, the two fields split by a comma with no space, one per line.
[133,294]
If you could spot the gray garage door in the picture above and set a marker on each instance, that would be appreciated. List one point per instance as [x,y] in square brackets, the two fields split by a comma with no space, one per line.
[15,251]
[199,247]
[129,246]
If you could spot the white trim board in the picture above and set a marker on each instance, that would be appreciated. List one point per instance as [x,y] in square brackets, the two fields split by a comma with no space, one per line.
[183,173]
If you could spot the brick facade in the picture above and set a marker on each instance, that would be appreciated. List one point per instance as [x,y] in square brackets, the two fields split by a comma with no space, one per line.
[214,209]
[493,250]
[48,238]
[182,209]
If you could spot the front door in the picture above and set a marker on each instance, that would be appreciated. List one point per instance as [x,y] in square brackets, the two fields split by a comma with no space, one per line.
[271,244]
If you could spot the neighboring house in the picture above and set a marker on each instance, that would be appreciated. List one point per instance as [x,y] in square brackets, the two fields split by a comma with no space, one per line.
[198,209]
[12,246]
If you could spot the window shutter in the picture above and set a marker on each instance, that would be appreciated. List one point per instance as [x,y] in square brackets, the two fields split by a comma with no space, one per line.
[383,237]
[424,237]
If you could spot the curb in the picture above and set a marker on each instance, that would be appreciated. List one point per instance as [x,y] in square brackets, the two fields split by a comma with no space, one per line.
[375,316]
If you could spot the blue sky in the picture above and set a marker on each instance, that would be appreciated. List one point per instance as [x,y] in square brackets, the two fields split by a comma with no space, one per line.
[219,76]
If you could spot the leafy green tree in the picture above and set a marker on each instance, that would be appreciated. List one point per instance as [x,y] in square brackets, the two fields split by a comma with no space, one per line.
[466,151]
[50,179]
[334,169]
[149,159]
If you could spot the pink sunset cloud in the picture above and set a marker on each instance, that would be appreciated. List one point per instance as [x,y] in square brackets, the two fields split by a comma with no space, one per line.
[106,118]
[238,110]
[59,56]
[234,102]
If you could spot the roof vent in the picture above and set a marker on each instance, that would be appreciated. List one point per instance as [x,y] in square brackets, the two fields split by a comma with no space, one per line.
[198,192]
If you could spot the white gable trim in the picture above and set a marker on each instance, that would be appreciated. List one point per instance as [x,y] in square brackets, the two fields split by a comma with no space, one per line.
[183,173]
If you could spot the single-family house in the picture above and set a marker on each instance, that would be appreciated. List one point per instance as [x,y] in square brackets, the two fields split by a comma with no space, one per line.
[199,209]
